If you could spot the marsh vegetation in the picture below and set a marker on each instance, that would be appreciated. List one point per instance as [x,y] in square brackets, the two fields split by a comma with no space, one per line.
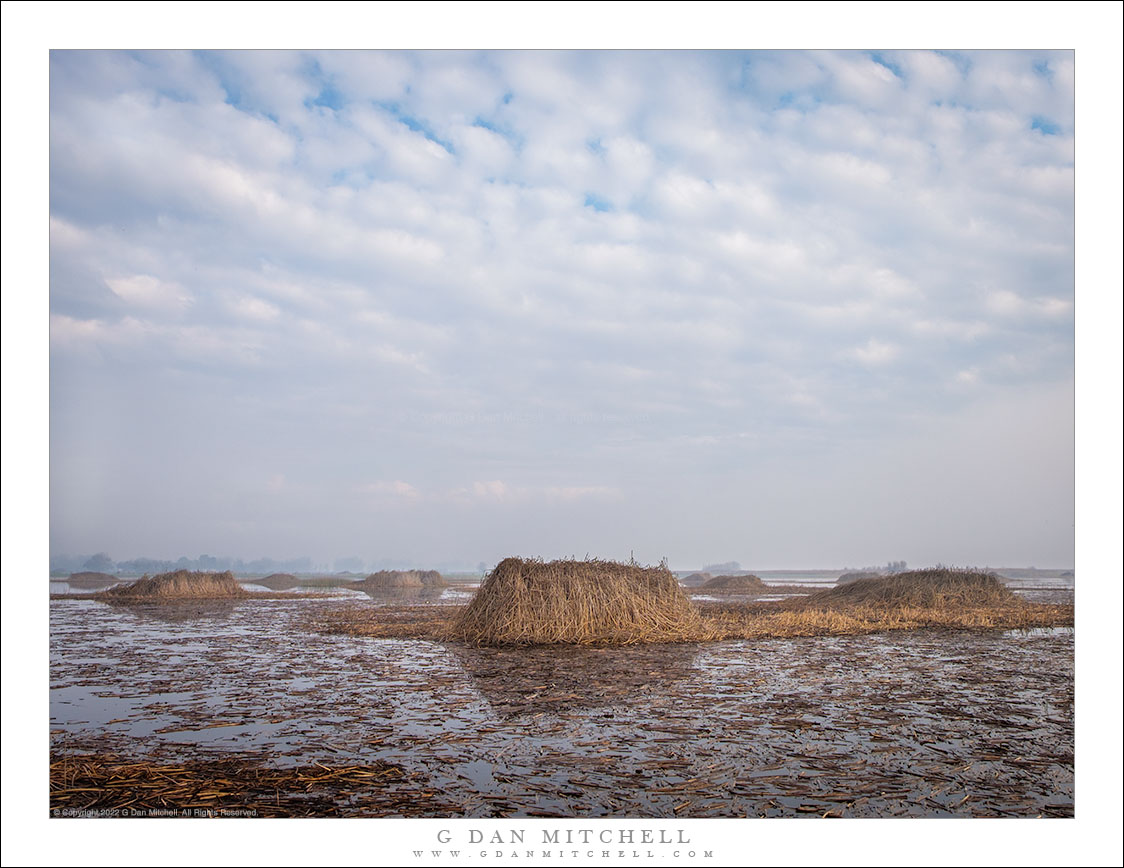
[905,698]
[179,585]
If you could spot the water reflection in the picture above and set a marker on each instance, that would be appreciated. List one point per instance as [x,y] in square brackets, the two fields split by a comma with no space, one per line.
[178,612]
[558,678]
[403,595]
[84,585]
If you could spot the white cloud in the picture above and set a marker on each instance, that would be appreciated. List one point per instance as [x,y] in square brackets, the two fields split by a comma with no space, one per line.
[1008,303]
[875,352]
[582,492]
[396,488]
[71,332]
[483,151]
[951,329]
[67,236]
[929,72]
[255,308]
[848,169]
[159,344]
[146,291]
[493,489]
[857,76]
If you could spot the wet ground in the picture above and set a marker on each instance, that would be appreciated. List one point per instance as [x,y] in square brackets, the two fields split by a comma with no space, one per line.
[921,723]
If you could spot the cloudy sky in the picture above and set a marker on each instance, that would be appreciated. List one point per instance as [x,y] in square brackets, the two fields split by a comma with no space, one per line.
[788,308]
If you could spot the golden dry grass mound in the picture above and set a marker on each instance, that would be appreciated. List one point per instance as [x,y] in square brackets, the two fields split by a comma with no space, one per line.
[179,585]
[591,602]
[734,585]
[386,579]
[932,588]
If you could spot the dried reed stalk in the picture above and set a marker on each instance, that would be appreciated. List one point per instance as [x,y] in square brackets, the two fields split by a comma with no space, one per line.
[138,787]
[785,620]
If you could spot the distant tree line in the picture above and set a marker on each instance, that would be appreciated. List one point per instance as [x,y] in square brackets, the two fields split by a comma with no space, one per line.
[65,564]
[103,563]
[890,567]
[727,567]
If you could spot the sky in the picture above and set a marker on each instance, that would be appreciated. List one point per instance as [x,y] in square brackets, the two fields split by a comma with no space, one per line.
[790,308]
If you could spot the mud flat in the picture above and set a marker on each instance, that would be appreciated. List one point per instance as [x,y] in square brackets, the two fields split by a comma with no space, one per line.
[243,696]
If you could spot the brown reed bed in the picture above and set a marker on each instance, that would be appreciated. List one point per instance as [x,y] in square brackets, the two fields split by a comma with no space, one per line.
[388,579]
[788,619]
[855,575]
[937,597]
[722,621]
[589,602]
[278,581]
[91,580]
[171,602]
[287,581]
[108,785]
[178,585]
[937,587]
[747,584]
[593,603]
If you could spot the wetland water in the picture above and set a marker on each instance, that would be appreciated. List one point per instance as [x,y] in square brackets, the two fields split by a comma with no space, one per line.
[923,723]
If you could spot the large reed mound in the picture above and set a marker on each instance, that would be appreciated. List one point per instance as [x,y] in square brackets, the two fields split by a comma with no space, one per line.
[90,580]
[747,584]
[179,585]
[403,579]
[931,588]
[592,602]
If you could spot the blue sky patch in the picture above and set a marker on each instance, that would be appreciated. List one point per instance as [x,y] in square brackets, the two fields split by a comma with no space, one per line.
[1045,126]
[416,125]
[962,62]
[328,97]
[890,65]
[513,138]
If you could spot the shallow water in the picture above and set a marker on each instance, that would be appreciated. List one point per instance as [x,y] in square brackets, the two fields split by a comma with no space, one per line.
[742,598]
[902,724]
